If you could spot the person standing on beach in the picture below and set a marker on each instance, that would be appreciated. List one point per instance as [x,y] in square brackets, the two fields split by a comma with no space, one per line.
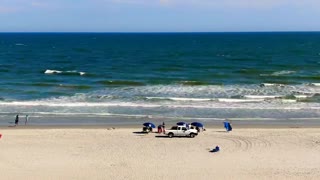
[16,122]
[27,119]
[163,127]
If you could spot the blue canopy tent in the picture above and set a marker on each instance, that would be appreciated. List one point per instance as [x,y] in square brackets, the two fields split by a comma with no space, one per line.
[149,124]
[181,123]
[227,125]
[197,124]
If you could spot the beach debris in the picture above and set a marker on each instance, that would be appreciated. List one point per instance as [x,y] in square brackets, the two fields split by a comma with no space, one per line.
[216,149]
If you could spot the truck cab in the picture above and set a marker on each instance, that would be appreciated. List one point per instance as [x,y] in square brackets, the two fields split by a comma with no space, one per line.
[181,131]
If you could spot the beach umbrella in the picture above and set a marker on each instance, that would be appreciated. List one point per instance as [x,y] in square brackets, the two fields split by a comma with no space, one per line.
[149,124]
[181,123]
[197,124]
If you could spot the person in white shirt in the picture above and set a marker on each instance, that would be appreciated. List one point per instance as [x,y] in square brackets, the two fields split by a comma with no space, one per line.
[27,119]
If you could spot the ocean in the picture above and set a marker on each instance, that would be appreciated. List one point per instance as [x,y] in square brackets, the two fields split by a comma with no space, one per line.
[190,76]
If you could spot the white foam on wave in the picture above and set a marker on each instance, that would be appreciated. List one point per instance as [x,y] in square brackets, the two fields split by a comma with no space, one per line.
[76,72]
[217,105]
[314,84]
[288,100]
[262,96]
[199,93]
[250,98]
[239,100]
[279,73]
[180,99]
[75,104]
[302,96]
[49,71]
[271,84]
[309,93]
[282,73]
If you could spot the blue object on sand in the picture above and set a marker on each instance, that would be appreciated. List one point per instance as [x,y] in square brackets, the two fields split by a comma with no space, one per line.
[149,124]
[197,124]
[217,149]
[227,125]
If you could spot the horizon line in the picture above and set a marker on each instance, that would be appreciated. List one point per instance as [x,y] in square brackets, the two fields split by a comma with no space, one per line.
[157,32]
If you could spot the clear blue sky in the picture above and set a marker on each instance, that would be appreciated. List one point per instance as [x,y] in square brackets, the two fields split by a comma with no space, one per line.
[158,15]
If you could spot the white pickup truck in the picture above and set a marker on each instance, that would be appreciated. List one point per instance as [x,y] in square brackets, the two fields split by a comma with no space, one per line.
[181,131]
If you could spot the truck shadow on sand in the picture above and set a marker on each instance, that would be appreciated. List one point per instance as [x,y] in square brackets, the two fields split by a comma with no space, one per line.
[140,132]
[159,136]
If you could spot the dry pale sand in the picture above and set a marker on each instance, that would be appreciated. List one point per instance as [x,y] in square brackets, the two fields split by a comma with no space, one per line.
[77,153]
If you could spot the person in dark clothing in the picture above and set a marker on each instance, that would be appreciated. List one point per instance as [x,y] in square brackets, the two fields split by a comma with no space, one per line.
[163,127]
[16,122]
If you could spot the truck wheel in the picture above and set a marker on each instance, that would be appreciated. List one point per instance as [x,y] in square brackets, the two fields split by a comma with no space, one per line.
[170,135]
[192,135]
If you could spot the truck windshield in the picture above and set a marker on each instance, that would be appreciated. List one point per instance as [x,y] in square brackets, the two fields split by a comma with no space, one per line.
[174,128]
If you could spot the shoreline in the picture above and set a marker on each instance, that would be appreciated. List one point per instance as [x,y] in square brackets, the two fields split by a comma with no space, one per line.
[241,124]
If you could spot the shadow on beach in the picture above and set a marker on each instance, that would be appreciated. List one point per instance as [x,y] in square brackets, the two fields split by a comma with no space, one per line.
[164,136]
[221,131]
[140,132]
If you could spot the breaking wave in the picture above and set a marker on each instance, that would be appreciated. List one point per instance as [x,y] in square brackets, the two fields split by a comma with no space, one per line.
[49,71]
[279,73]
[213,101]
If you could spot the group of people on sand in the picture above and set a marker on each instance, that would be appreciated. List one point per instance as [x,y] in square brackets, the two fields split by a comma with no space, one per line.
[16,121]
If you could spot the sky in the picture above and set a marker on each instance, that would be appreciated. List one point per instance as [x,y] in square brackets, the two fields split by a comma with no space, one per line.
[159,15]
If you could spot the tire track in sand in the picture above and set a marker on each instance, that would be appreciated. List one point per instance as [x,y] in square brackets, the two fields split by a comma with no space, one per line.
[240,143]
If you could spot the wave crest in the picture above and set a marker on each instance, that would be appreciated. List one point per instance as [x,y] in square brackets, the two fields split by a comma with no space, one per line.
[49,71]
[279,73]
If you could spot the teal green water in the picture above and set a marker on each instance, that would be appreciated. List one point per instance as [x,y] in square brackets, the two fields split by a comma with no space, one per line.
[180,75]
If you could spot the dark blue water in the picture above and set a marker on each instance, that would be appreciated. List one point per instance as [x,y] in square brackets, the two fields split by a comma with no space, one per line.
[181,75]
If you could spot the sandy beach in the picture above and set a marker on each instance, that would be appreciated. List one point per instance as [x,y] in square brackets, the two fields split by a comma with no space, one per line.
[124,153]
